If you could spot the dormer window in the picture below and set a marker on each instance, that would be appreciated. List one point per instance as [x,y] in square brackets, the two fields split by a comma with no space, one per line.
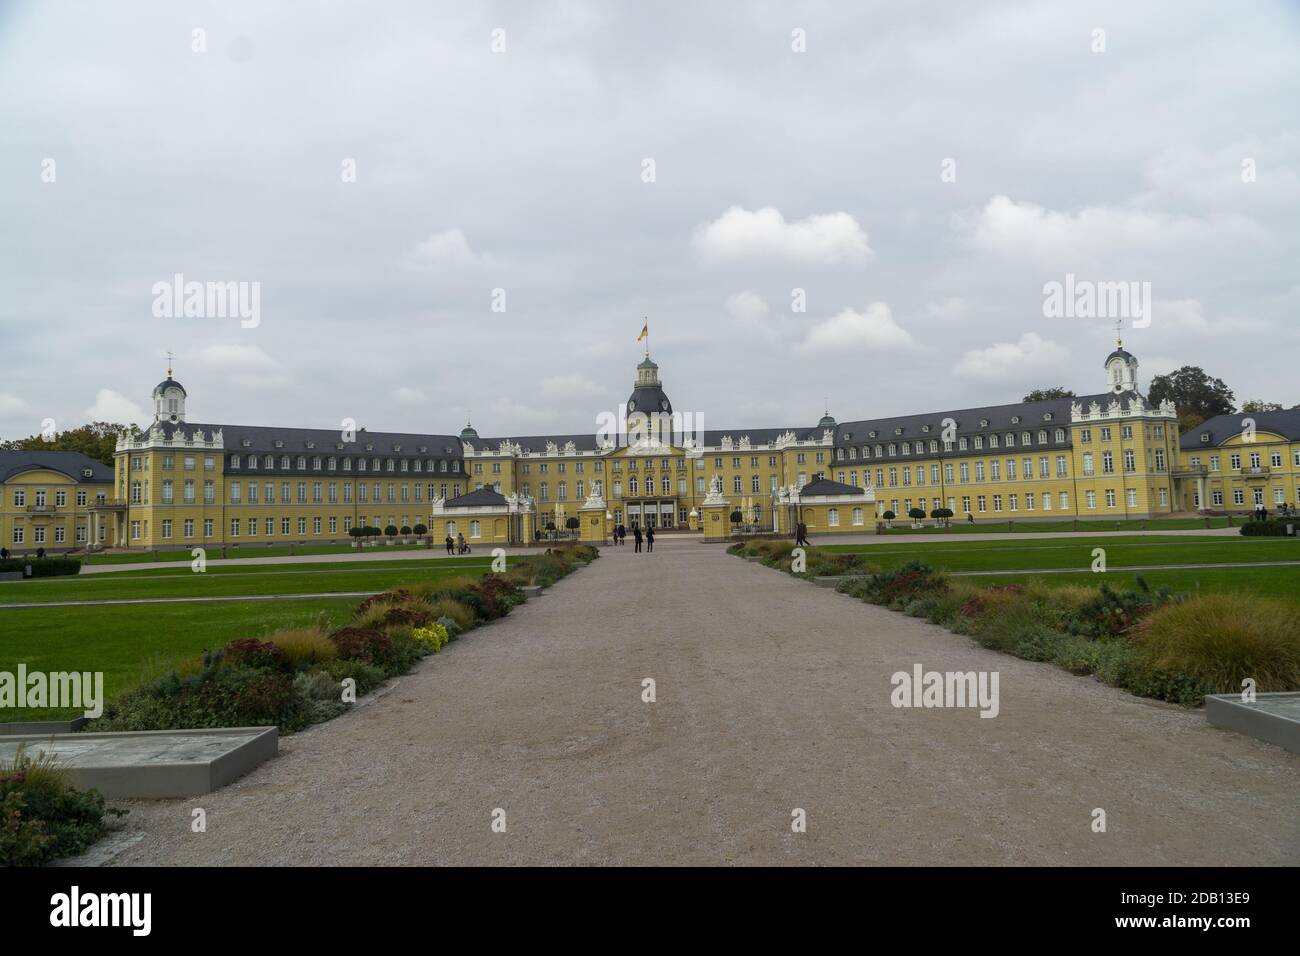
[278,443]
[311,444]
[898,431]
[1205,438]
[1047,416]
[1015,419]
[984,423]
[245,443]
[925,429]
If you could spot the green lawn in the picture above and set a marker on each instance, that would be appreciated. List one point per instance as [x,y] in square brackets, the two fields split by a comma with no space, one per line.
[128,643]
[1077,552]
[1075,555]
[1282,583]
[227,581]
[244,551]
[984,526]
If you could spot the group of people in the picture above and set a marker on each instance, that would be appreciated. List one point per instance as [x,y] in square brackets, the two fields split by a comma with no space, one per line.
[1283,510]
[619,533]
[4,553]
[458,545]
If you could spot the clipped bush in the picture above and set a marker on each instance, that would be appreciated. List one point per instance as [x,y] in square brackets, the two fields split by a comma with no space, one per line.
[42,567]
[1269,528]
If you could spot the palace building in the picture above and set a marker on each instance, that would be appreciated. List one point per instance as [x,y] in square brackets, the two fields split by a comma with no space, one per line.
[1107,455]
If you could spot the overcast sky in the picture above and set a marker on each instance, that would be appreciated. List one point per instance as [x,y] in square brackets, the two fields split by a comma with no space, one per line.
[524,170]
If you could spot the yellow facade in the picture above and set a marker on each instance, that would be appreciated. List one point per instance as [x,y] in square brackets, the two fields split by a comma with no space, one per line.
[1108,456]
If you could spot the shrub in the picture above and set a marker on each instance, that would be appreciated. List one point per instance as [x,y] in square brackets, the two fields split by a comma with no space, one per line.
[453,629]
[259,655]
[370,616]
[406,529]
[42,567]
[394,596]
[366,676]
[450,609]
[390,530]
[321,695]
[1221,639]
[431,636]
[1111,612]
[42,817]
[1270,528]
[915,577]
[405,617]
[304,647]
[363,644]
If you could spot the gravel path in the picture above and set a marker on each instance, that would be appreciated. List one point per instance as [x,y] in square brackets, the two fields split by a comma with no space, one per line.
[772,694]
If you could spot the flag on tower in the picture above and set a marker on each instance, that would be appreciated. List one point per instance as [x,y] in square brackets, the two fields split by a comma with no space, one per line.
[645,330]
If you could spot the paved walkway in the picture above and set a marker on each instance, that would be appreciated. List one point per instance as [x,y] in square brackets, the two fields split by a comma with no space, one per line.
[772,695]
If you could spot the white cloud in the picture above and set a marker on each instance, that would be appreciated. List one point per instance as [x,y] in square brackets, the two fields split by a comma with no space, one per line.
[1079,240]
[1013,360]
[405,395]
[111,406]
[747,307]
[445,250]
[10,404]
[1179,315]
[949,310]
[566,387]
[873,328]
[241,358]
[764,235]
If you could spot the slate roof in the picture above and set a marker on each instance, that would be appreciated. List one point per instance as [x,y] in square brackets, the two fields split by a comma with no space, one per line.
[264,437]
[1000,418]
[480,498]
[827,486]
[70,463]
[1222,427]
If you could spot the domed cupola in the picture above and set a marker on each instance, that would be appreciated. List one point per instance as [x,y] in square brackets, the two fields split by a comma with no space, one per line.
[169,400]
[468,433]
[1121,370]
[648,397]
[827,421]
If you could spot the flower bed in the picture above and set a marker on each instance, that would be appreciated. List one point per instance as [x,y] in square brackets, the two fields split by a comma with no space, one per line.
[1153,643]
[297,677]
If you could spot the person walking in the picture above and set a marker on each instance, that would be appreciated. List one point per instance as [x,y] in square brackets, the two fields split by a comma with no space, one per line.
[801,539]
[450,544]
[622,534]
[636,538]
[462,547]
[970,518]
[650,538]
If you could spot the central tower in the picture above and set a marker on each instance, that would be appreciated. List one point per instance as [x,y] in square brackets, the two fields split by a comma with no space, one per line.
[649,413]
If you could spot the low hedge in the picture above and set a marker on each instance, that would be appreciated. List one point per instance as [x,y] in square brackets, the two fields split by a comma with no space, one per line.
[1270,527]
[42,567]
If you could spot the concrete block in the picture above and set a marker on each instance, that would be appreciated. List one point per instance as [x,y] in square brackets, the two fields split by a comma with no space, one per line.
[1274,717]
[155,763]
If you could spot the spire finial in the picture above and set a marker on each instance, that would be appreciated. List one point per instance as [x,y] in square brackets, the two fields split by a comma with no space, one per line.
[1119,342]
[169,364]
